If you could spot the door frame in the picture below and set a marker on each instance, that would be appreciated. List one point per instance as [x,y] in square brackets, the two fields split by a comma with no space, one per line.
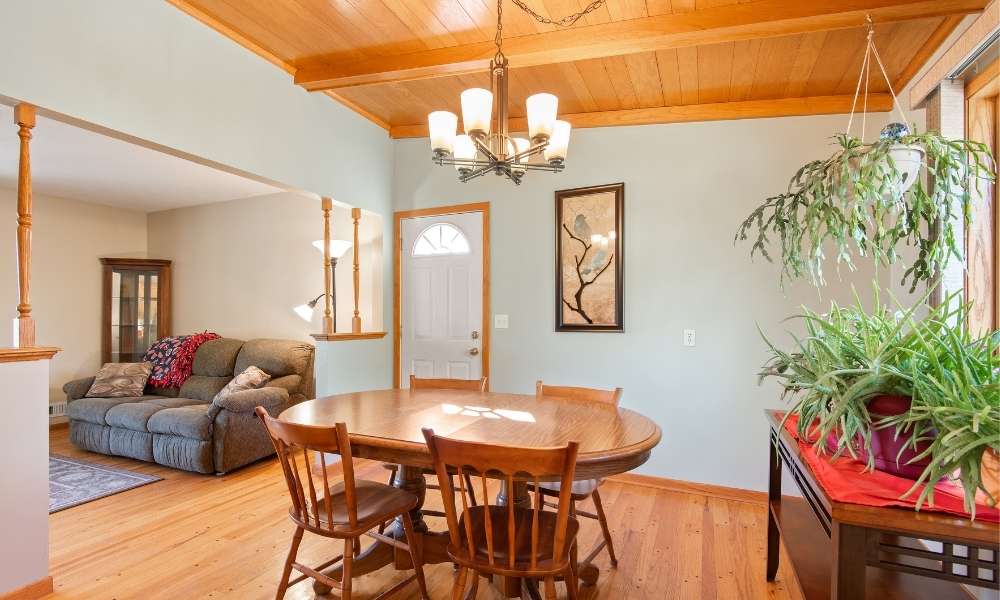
[397,261]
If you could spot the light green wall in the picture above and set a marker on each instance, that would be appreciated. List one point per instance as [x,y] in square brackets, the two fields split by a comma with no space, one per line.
[687,187]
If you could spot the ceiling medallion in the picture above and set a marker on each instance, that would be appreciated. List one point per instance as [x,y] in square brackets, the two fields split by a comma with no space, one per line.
[487,146]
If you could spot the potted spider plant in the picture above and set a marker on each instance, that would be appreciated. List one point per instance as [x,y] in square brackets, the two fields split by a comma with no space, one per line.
[918,398]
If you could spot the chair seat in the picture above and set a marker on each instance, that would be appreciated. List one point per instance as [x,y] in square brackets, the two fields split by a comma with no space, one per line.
[584,487]
[376,502]
[522,541]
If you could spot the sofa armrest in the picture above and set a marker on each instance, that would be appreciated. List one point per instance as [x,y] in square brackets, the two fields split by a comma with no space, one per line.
[77,388]
[271,398]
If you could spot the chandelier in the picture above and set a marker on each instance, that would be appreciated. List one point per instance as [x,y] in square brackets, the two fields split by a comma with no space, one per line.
[487,146]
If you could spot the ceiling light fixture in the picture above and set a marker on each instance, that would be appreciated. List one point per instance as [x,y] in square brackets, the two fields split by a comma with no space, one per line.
[486,146]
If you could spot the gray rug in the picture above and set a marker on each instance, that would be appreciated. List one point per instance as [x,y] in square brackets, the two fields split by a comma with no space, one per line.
[73,482]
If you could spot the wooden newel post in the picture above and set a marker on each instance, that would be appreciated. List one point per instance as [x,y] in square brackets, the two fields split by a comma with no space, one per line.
[356,321]
[328,325]
[24,117]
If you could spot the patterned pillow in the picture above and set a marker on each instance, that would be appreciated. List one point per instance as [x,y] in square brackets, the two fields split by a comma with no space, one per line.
[120,380]
[162,355]
[250,379]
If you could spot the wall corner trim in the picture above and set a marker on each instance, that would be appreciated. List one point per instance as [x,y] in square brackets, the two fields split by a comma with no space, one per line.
[31,591]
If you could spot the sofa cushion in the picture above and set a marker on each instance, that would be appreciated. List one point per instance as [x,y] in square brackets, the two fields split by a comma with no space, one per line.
[203,387]
[135,415]
[120,380]
[289,383]
[250,379]
[277,358]
[190,422]
[93,410]
[216,358]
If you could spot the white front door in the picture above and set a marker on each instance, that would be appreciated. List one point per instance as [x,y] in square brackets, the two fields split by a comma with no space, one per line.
[441,297]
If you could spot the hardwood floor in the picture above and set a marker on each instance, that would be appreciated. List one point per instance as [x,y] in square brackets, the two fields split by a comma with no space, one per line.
[201,536]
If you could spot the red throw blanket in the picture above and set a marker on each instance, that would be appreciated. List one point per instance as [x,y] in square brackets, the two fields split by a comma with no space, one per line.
[173,358]
[845,480]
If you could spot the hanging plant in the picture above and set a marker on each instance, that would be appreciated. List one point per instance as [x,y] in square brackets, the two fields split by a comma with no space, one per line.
[868,198]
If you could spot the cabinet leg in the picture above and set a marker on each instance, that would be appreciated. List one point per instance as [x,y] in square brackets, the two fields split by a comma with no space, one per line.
[773,495]
[849,563]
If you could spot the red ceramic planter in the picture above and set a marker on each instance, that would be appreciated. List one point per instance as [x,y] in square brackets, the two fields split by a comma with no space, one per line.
[885,445]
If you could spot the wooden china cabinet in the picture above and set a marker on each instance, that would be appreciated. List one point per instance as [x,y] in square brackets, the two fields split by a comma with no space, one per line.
[136,310]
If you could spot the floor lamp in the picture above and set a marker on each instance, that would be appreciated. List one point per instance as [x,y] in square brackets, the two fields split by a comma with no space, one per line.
[337,250]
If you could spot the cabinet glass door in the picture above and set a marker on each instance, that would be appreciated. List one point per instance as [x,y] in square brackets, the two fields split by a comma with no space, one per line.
[135,298]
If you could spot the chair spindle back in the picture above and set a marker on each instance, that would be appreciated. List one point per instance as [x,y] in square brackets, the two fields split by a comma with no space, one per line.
[293,444]
[509,464]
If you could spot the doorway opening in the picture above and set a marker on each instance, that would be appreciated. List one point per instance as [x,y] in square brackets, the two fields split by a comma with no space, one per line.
[441,302]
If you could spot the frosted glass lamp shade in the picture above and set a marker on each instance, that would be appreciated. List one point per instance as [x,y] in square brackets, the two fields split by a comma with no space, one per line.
[541,115]
[477,110]
[555,152]
[337,247]
[520,145]
[305,312]
[465,149]
[442,125]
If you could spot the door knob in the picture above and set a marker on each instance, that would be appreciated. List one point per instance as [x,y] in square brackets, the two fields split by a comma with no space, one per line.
[475,335]
[473,351]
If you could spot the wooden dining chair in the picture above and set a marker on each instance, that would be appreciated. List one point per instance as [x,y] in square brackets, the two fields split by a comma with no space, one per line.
[587,488]
[345,510]
[473,385]
[506,540]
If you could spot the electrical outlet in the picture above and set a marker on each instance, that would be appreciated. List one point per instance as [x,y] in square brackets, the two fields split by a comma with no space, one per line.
[689,337]
[501,321]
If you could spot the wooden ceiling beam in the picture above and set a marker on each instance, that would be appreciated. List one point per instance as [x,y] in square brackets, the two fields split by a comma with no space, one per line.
[735,22]
[720,111]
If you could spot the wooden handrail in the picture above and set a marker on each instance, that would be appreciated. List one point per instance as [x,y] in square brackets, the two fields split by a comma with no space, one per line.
[24,117]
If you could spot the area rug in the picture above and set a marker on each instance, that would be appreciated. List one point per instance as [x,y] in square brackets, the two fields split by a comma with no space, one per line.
[73,482]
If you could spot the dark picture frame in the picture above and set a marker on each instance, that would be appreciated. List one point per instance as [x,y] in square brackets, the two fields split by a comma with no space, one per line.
[590,274]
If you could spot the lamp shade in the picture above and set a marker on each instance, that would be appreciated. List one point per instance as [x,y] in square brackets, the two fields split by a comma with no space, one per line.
[520,145]
[477,110]
[337,247]
[305,312]
[555,152]
[442,125]
[541,115]
[465,149]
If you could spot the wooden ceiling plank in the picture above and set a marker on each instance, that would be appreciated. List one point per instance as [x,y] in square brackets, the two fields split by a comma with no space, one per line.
[810,45]
[575,80]
[658,7]
[687,74]
[670,84]
[422,22]
[715,72]
[599,83]
[645,76]
[929,47]
[745,58]
[852,68]
[764,18]
[751,109]
[840,50]
[621,80]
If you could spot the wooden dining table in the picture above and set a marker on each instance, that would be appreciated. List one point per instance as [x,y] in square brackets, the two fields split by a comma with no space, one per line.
[386,425]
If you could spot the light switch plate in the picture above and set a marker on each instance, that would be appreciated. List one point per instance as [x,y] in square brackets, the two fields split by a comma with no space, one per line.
[501,321]
[689,337]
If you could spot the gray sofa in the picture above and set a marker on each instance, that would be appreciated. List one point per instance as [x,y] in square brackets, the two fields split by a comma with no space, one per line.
[184,428]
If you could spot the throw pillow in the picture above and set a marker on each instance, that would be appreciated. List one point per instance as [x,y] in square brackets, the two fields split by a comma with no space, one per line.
[120,380]
[250,379]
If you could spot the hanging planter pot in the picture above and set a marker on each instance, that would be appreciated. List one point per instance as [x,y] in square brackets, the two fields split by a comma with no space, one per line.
[867,198]
[908,160]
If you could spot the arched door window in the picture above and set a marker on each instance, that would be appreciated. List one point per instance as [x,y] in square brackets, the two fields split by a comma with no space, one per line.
[441,239]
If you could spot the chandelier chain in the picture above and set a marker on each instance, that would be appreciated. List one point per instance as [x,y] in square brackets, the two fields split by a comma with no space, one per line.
[567,21]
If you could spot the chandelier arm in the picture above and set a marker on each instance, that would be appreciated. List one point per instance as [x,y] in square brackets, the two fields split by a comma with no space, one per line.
[485,149]
[475,173]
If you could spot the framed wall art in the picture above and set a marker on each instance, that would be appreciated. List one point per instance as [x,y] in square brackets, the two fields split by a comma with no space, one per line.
[589,258]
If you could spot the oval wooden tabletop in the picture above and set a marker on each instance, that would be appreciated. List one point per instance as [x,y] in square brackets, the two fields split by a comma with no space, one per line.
[386,425]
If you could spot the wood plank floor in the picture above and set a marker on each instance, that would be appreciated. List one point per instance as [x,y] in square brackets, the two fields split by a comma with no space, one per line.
[200,536]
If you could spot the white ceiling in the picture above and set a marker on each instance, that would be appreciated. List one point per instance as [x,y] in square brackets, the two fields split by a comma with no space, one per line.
[71,162]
